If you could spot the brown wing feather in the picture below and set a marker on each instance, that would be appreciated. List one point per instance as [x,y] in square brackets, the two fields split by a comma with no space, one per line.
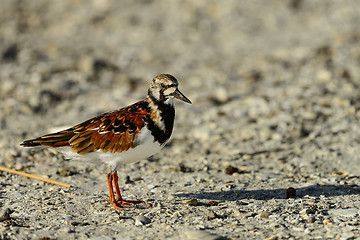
[110,132]
[59,139]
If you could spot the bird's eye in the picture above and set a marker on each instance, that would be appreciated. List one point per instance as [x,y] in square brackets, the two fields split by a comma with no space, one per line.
[162,85]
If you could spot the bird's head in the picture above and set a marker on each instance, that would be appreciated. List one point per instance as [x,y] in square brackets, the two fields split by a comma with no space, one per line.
[164,88]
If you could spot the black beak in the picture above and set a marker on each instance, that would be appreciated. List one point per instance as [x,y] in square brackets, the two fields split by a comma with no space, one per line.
[177,94]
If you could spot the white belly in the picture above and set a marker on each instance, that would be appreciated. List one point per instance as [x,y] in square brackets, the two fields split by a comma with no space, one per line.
[146,148]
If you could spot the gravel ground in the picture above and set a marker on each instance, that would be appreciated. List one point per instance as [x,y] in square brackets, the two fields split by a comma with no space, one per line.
[269,149]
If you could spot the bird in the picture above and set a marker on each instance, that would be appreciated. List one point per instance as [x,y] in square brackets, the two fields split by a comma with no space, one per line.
[127,135]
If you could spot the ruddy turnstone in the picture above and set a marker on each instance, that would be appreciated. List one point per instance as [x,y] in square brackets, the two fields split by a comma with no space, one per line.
[123,136]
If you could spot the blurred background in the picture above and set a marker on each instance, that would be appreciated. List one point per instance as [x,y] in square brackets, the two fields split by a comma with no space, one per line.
[258,72]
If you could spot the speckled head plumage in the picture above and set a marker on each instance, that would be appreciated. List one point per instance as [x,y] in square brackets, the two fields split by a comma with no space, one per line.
[123,136]
[164,88]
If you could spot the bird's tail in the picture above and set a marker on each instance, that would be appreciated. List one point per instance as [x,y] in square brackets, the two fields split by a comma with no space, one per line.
[59,139]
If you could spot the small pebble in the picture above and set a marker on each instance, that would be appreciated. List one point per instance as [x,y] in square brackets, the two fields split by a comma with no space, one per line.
[310,219]
[327,222]
[242,203]
[182,168]
[272,238]
[230,170]
[290,192]
[212,215]
[220,96]
[64,172]
[212,203]
[141,220]
[264,214]
[191,202]
[274,226]
[306,211]
[150,186]
[5,214]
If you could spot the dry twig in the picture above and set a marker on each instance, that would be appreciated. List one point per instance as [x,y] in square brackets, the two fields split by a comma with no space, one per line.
[33,176]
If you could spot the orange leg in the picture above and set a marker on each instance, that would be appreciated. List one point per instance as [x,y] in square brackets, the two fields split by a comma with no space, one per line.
[117,190]
[109,178]
[116,185]
[119,202]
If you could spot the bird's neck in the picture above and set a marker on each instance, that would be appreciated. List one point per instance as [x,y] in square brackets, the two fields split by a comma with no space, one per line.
[162,115]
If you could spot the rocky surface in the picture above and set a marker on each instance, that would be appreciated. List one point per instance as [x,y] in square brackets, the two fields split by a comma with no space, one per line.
[275,90]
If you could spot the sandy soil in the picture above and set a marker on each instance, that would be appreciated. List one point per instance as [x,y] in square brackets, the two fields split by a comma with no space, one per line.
[275,90]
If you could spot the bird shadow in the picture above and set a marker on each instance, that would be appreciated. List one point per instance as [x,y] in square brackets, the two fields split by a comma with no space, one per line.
[280,193]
